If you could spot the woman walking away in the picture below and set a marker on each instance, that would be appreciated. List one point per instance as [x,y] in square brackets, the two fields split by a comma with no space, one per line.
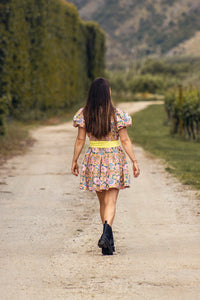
[104,168]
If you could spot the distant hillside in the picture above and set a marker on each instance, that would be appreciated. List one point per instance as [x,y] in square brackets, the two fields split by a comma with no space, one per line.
[190,47]
[136,28]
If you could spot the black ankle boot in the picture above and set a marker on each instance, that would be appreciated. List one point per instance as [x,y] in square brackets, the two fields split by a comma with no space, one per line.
[105,250]
[104,241]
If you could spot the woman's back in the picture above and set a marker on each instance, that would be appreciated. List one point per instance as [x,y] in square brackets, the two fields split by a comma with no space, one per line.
[122,120]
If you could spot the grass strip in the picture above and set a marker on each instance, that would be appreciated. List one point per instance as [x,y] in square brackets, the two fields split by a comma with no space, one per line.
[150,130]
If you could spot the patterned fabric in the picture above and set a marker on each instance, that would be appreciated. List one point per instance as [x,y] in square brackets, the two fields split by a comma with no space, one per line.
[105,168]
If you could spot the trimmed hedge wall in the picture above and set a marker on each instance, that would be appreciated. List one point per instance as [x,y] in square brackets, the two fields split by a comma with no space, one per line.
[48,56]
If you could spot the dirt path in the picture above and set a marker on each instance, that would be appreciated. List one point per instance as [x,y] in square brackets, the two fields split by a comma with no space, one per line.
[49,230]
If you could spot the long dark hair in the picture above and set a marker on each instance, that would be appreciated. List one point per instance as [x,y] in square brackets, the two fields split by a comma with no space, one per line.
[99,108]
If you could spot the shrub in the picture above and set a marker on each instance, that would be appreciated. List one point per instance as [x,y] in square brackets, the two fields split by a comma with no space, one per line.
[184,112]
[146,83]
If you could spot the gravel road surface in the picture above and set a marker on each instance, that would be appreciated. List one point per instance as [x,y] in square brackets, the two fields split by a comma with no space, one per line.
[49,229]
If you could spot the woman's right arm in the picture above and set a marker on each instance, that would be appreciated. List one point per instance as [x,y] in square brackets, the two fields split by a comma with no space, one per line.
[127,145]
[80,141]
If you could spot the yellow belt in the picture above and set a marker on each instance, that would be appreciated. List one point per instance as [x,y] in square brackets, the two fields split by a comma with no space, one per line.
[104,144]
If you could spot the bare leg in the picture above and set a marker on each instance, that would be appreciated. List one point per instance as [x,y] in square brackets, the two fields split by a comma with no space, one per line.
[101,196]
[107,200]
[110,205]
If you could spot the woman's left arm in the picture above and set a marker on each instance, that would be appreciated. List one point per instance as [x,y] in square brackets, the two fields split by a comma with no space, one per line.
[80,141]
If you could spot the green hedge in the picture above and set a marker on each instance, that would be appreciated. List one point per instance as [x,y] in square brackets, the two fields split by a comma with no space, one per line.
[48,56]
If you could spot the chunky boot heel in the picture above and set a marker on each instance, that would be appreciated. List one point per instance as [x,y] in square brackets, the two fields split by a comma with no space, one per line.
[105,251]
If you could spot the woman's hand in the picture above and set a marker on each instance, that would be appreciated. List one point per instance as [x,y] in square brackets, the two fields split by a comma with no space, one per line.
[75,168]
[136,170]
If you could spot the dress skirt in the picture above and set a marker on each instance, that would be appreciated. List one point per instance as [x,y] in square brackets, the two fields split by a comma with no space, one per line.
[104,168]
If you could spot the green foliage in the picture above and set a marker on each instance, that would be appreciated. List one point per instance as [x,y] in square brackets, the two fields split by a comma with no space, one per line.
[117,81]
[146,83]
[4,105]
[154,76]
[5,101]
[184,112]
[95,49]
[153,66]
[48,56]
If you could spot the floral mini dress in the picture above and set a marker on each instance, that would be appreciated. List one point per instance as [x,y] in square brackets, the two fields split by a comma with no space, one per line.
[105,168]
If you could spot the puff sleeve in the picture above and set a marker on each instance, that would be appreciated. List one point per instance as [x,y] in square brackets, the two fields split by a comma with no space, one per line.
[123,119]
[78,119]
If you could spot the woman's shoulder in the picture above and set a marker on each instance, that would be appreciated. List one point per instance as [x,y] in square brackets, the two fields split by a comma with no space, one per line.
[123,118]
[78,119]
[121,114]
